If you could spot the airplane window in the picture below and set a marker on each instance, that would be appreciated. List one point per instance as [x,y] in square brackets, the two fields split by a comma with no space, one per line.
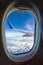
[21,31]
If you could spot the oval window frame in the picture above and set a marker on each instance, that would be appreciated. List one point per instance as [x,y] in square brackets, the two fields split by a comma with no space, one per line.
[28,56]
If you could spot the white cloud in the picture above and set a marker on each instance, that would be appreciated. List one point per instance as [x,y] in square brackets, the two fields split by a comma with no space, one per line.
[23,46]
[29,27]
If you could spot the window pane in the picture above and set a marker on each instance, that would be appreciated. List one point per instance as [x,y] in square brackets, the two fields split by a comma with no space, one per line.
[19,32]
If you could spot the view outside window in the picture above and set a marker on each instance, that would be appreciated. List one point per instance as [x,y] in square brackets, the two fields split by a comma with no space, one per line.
[19,32]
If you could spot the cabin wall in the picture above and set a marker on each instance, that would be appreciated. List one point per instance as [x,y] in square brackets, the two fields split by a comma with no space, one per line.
[38,60]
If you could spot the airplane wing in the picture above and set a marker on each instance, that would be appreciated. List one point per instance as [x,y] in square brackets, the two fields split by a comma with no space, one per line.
[27,33]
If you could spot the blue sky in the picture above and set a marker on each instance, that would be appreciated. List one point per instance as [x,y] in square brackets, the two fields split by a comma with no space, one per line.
[20,20]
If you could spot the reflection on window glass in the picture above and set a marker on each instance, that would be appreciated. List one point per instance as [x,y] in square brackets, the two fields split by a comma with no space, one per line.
[19,32]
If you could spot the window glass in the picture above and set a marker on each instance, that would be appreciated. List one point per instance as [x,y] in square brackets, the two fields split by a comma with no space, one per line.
[19,32]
